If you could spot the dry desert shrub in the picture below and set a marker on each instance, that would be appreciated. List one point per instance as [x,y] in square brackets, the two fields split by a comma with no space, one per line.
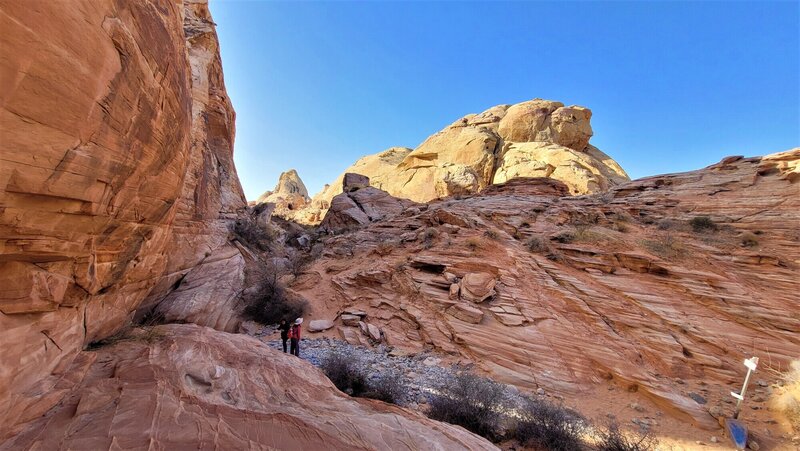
[350,377]
[702,224]
[491,234]
[665,246]
[474,243]
[429,235]
[259,236]
[612,439]
[472,402]
[550,427]
[786,398]
[384,249]
[270,303]
[748,239]
[539,245]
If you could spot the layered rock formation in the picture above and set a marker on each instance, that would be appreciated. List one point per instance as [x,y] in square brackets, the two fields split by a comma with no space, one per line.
[596,298]
[289,195]
[117,181]
[538,138]
[188,387]
[360,204]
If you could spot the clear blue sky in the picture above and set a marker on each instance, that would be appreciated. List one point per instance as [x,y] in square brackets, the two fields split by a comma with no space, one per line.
[674,86]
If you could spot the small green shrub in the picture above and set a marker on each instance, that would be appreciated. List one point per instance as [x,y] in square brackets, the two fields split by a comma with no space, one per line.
[702,224]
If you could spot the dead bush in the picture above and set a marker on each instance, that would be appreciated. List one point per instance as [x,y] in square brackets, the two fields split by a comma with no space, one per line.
[786,397]
[250,232]
[665,246]
[701,224]
[269,303]
[538,245]
[348,375]
[344,372]
[566,236]
[474,243]
[620,226]
[667,224]
[472,402]
[491,234]
[384,249]
[429,235]
[748,239]
[612,439]
[548,426]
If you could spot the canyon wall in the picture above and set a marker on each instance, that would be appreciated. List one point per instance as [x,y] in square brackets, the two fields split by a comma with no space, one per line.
[117,180]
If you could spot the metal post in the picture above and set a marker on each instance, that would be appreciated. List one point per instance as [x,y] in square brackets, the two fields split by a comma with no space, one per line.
[751,365]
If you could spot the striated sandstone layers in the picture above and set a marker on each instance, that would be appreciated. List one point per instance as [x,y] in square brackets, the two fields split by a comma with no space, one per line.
[117,182]
[537,138]
[189,387]
[577,295]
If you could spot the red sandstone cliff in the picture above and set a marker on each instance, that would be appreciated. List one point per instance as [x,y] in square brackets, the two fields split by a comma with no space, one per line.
[117,177]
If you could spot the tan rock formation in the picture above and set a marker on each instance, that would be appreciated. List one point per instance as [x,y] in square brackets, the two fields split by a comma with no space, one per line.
[538,138]
[598,298]
[289,195]
[234,391]
[117,179]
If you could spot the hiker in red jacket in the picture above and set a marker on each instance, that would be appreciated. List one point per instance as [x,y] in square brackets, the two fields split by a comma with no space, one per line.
[294,336]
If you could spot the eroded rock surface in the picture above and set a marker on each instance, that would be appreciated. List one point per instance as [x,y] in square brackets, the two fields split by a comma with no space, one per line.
[578,294]
[289,195]
[117,179]
[189,387]
[538,138]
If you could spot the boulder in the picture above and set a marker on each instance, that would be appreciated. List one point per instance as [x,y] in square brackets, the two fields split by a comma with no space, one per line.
[454,289]
[477,286]
[319,325]
[353,182]
[466,313]
[373,332]
[350,320]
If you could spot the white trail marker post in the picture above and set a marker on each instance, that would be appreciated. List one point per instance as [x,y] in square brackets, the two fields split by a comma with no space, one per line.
[751,365]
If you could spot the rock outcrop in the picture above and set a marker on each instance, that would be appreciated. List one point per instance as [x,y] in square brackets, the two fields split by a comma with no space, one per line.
[360,204]
[595,298]
[538,138]
[289,195]
[232,390]
[117,181]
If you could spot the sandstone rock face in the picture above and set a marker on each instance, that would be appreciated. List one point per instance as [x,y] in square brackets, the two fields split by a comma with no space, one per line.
[319,325]
[289,195]
[360,204]
[596,297]
[466,313]
[235,391]
[117,179]
[538,138]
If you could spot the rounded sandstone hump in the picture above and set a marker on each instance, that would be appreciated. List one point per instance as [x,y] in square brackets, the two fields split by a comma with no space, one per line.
[547,121]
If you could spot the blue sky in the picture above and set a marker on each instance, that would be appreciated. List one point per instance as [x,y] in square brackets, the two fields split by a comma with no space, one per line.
[673,86]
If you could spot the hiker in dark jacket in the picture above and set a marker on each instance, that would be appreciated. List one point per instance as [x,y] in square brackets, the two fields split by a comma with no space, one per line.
[284,327]
[294,335]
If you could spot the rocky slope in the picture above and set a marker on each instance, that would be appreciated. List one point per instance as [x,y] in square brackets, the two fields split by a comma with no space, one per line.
[538,138]
[188,387]
[596,298]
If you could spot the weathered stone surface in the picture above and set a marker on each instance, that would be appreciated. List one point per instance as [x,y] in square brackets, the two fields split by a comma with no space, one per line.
[117,178]
[239,393]
[539,138]
[289,195]
[319,325]
[350,320]
[353,181]
[651,327]
[466,313]
[360,206]
[477,287]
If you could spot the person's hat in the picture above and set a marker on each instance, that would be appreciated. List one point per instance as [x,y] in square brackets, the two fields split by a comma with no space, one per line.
[299,321]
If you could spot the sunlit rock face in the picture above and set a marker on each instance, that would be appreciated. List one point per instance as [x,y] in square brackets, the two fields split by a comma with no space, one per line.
[537,138]
[117,177]
[599,298]
[289,195]
[234,392]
